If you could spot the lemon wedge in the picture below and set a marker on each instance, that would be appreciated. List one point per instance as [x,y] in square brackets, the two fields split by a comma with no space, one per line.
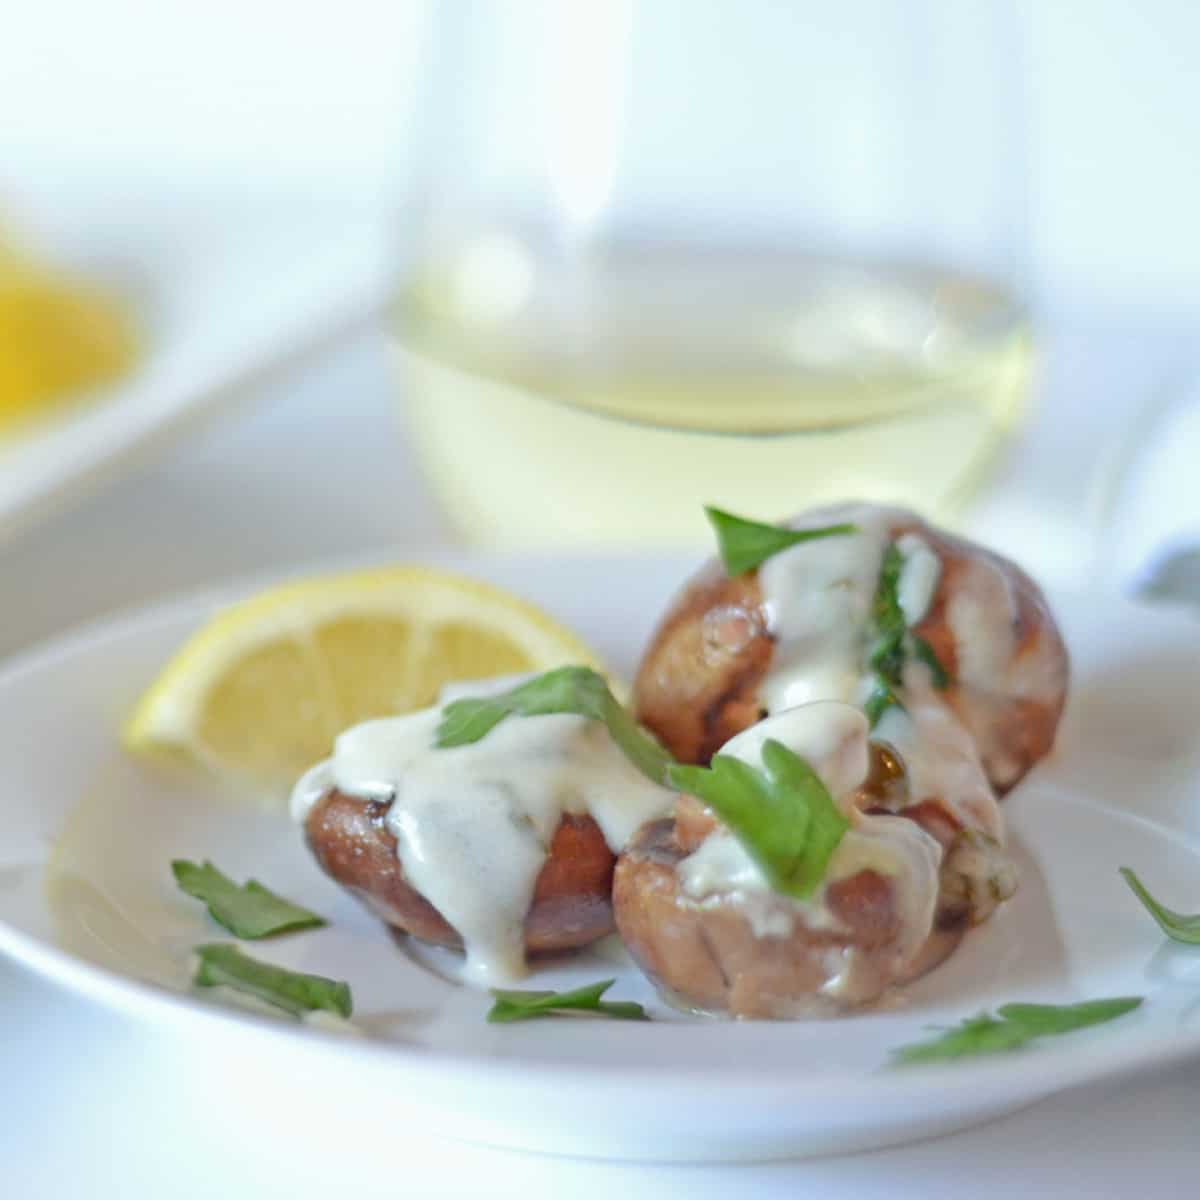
[264,688]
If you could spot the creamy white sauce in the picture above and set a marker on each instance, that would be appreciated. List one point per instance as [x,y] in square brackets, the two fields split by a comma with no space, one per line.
[941,758]
[473,823]
[817,597]
[911,859]
[829,735]
[721,870]
[832,738]
[981,614]
[919,577]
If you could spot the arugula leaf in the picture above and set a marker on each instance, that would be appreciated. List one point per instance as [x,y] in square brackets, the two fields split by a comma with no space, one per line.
[744,544]
[1014,1026]
[783,815]
[222,964]
[250,911]
[1179,927]
[578,690]
[523,1006]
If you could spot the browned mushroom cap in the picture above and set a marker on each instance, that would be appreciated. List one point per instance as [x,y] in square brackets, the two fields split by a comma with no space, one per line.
[700,678]
[1009,669]
[572,901]
[707,956]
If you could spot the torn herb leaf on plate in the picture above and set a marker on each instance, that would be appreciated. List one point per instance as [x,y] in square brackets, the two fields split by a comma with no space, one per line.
[524,1005]
[247,910]
[1013,1026]
[222,964]
[1179,927]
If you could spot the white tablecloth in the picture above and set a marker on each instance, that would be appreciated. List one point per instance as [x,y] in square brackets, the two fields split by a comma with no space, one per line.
[92,1106]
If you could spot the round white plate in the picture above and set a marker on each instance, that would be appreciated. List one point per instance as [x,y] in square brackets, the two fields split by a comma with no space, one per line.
[86,897]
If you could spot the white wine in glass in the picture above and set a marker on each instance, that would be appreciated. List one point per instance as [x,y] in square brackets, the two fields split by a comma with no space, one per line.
[588,359]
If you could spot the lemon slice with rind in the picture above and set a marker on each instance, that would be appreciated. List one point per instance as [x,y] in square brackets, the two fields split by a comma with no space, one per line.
[264,688]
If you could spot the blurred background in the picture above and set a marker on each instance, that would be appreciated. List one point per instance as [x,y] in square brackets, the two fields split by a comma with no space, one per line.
[325,94]
[539,275]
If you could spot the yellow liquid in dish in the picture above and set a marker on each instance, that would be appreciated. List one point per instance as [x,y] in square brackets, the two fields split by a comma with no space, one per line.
[604,404]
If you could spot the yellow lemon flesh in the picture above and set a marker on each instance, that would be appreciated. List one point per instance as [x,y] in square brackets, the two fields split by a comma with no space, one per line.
[266,686]
[58,338]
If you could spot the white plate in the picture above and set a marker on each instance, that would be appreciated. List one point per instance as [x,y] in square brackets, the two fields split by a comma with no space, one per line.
[227,286]
[86,898]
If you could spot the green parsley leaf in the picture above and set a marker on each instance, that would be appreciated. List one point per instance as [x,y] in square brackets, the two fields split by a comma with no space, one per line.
[783,815]
[887,653]
[222,964]
[744,545]
[886,658]
[522,1006]
[879,701]
[1044,1020]
[976,1035]
[1014,1026]
[578,690]
[894,642]
[250,911]
[1179,927]
[924,651]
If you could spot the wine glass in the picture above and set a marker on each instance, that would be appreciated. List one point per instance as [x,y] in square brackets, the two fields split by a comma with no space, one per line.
[663,254]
